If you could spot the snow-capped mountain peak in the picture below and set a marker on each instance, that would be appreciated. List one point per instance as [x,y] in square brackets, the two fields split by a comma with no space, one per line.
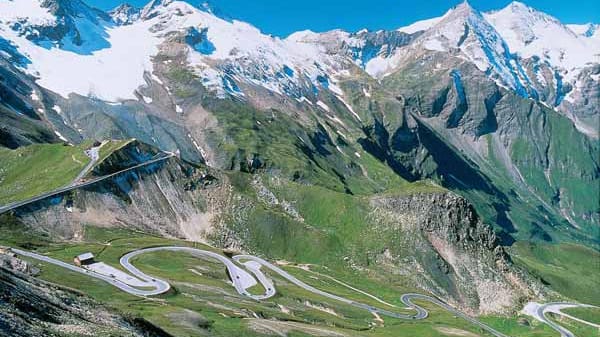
[124,14]
[452,28]
[27,17]
[467,30]
[68,25]
[522,24]
[422,25]
[146,12]
[114,50]
[529,33]
[221,52]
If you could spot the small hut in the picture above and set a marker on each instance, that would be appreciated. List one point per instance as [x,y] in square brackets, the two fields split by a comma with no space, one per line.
[84,259]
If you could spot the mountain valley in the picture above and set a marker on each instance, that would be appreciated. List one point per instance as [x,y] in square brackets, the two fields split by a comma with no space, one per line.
[456,158]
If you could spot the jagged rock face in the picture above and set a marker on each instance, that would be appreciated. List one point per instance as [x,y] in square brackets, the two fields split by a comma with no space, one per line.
[457,256]
[31,308]
[382,43]
[361,47]
[124,14]
[582,105]
[22,121]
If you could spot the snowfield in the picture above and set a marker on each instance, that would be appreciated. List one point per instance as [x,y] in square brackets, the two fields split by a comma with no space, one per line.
[110,74]
[422,25]
[30,10]
[115,53]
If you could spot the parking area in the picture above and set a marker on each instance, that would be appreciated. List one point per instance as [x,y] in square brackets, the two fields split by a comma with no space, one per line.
[106,270]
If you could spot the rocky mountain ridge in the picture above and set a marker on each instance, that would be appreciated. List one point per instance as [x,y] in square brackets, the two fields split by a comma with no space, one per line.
[514,46]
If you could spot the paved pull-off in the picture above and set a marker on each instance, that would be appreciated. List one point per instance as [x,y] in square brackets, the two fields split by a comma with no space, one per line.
[242,280]
[539,311]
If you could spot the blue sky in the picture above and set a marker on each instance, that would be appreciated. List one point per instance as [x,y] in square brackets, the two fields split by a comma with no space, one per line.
[282,17]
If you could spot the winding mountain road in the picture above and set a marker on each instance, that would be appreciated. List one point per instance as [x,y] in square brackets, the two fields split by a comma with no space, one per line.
[236,274]
[94,154]
[539,311]
[160,287]
[242,280]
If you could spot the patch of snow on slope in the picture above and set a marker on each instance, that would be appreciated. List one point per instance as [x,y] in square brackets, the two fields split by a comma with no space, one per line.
[61,136]
[421,25]
[323,106]
[157,80]
[378,66]
[349,107]
[18,10]
[586,30]
[434,44]
[304,100]
[335,89]
[198,147]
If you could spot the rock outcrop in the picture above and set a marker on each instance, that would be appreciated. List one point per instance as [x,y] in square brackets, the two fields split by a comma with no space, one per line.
[456,256]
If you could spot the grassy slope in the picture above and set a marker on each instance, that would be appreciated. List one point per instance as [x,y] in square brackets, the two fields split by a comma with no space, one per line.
[571,270]
[315,154]
[575,187]
[218,310]
[591,315]
[35,169]
[336,224]
[577,328]
[110,147]
[32,170]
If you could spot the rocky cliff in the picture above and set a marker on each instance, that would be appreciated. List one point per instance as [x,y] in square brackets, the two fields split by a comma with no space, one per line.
[456,256]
